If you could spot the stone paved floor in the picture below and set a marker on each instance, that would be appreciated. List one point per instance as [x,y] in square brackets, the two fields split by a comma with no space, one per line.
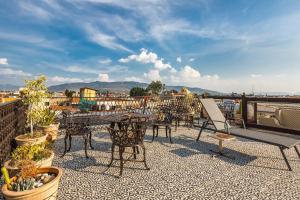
[183,170]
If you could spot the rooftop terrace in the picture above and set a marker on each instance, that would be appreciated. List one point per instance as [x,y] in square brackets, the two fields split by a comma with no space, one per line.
[182,170]
[186,169]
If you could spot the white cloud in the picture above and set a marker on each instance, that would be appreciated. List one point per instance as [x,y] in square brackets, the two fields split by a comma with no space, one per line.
[104,40]
[105,61]
[95,70]
[152,75]
[124,28]
[192,59]
[32,9]
[34,40]
[80,69]
[134,78]
[61,79]
[104,77]
[189,73]
[178,59]
[13,72]
[147,57]
[256,75]
[3,61]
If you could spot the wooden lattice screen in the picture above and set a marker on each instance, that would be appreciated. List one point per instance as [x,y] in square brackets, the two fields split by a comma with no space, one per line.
[12,124]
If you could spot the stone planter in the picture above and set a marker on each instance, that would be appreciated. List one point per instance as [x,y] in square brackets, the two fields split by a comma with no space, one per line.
[47,191]
[23,140]
[42,163]
[51,131]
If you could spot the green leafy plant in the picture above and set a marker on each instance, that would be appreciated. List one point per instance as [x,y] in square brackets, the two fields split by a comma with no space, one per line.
[34,152]
[26,180]
[155,87]
[137,92]
[33,94]
[47,117]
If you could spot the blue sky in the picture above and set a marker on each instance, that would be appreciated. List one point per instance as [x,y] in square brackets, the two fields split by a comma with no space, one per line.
[234,45]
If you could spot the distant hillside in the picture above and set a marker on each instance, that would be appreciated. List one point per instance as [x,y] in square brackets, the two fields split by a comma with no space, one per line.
[124,86]
[8,87]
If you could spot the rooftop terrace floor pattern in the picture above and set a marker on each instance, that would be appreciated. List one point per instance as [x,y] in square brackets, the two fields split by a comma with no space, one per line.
[183,170]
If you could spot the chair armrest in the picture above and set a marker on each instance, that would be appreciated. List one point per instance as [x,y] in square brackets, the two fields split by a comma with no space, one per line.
[226,124]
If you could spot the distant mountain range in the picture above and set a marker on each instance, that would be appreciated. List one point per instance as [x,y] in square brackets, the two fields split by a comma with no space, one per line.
[120,86]
[125,86]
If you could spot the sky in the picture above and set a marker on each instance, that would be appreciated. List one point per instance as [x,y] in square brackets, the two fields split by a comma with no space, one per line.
[222,45]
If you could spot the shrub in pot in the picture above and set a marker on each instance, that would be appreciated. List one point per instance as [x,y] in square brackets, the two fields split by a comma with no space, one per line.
[40,154]
[47,124]
[33,95]
[32,183]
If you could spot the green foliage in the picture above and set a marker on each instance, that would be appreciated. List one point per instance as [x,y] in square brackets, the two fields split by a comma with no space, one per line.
[69,93]
[34,91]
[155,87]
[137,91]
[33,94]
[46,117]
[25,179]
[34,152]
[23,184]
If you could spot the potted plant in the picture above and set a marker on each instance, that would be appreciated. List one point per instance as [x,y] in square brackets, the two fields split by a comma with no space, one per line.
[33,94]
[41,155]
[47,124]
[32,183]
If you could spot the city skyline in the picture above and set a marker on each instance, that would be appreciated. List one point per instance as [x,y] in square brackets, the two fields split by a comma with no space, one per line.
[235,46]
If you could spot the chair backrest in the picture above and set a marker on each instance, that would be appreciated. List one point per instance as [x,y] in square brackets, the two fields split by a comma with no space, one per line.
[129,132]
[214,113]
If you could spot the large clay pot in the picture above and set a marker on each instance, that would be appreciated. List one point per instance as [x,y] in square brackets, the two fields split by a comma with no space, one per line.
[42,163]
[23,140]
[47,191]
[51,131]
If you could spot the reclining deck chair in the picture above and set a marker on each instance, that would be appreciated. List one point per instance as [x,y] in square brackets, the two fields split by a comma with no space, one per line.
[219,124]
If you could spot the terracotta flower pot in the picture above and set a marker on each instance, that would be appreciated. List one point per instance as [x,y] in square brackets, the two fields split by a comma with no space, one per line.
[47,191]
[23,140]
[51,131]
[13,170]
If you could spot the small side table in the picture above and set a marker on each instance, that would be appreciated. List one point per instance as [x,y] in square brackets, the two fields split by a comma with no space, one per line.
[222,137]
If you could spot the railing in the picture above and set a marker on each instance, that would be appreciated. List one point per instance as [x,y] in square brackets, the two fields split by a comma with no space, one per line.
[253,108]
[141,104]
[256,108]
[12,124]
[12,115]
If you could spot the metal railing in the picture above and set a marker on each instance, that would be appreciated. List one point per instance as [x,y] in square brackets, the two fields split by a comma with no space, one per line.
[12,114]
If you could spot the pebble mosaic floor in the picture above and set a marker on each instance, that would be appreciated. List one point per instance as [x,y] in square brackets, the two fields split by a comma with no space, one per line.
[183,170]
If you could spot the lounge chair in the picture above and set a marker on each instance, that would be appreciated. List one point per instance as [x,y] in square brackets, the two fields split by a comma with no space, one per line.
[216,122]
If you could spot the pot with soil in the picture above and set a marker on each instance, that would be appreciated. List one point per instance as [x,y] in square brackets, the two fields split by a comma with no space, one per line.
[32,184]
[27,139]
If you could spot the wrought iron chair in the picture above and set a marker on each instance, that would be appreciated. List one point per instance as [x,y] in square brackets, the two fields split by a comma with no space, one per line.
[164,120]
[76,126]
[128,133]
